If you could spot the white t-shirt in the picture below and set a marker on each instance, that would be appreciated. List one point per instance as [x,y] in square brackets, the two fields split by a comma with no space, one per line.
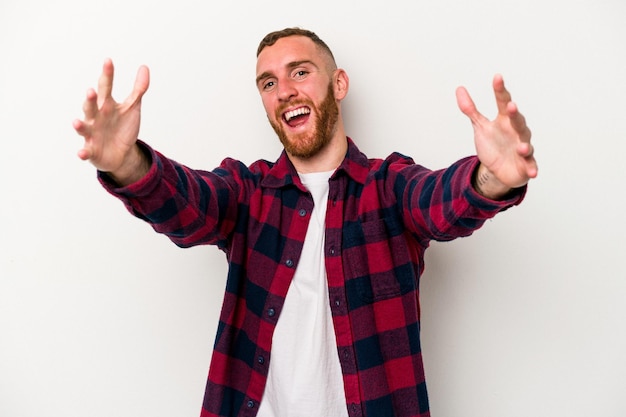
[305,376]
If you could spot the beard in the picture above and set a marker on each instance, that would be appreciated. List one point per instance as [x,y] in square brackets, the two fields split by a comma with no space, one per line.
[308,144]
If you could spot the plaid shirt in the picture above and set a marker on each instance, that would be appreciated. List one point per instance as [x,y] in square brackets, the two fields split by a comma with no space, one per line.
[381,215]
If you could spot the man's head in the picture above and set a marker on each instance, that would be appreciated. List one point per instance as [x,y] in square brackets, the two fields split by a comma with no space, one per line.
[301,89]
[271,38]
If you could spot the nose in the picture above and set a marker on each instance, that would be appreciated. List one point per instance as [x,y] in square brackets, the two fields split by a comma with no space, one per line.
[286,90]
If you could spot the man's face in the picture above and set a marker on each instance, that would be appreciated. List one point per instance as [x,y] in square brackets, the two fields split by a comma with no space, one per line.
[295,81]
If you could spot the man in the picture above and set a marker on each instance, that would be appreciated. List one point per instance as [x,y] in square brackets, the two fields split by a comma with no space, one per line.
[325,247]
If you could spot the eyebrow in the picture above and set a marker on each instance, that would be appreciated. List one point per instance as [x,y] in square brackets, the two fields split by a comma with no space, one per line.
[291,65]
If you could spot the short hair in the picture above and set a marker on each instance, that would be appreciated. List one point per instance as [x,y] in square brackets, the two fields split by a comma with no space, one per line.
[271,38]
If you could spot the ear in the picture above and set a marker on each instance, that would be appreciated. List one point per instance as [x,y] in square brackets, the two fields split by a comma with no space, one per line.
[341,84]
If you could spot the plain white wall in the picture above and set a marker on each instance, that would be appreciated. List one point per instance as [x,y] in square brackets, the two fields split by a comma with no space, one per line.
[100,316]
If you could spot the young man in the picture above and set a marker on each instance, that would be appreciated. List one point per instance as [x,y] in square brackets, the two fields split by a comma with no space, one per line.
[325,246]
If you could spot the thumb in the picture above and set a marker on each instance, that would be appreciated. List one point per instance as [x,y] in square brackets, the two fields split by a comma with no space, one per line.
[142,82]
[467,106]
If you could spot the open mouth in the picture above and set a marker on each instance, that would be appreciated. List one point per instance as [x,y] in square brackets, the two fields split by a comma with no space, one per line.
[297,117]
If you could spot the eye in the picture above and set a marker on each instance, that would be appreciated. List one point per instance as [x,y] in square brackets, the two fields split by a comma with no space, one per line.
[300,74]
[268,85]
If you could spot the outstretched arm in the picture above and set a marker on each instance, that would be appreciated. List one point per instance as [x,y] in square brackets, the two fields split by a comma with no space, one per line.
[110,129]
[503,145]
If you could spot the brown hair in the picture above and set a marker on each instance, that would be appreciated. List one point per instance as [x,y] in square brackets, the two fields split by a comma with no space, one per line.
[271,38]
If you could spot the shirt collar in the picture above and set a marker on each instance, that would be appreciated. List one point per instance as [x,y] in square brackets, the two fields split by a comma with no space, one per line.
[283,173]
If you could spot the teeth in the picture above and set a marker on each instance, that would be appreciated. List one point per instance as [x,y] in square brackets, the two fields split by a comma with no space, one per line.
[297,112]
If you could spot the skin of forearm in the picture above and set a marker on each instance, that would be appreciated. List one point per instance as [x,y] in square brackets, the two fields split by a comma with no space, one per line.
[135,167]
[487,185]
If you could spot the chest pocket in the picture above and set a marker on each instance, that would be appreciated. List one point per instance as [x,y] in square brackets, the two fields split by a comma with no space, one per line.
[377,259]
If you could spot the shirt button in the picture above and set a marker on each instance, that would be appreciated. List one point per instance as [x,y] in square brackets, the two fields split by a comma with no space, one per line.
[261,360]
[271,312]
[250,404]
[332,251]
[337,303]
[289,263]
[302,212]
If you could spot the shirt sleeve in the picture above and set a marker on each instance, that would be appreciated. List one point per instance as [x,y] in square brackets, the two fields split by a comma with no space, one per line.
[443,205]
[191,207]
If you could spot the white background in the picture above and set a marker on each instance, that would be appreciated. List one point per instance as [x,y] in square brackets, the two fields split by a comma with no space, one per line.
[100,316]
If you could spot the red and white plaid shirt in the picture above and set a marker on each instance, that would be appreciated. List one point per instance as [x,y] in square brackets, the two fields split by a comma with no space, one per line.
[381,216]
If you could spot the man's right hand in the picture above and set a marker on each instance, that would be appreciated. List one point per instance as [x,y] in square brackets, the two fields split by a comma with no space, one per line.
[110,129]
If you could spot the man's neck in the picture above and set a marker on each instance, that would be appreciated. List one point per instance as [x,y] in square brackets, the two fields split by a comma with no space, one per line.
[327,159]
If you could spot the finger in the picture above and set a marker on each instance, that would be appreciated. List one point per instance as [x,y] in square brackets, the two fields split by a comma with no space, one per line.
[80,127]
[527,151]
[142,82]
[105,82]
[84,154]
[467,106]
[532,169]
[503,97]
[518,121]
[83,129]
[90,106]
